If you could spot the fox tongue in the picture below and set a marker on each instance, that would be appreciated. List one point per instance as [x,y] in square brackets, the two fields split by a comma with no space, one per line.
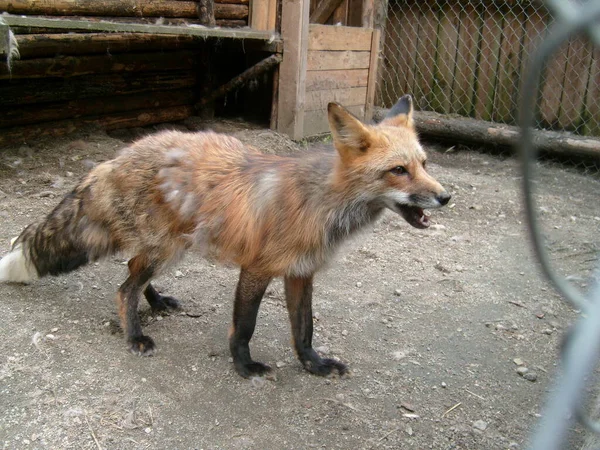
[415,216]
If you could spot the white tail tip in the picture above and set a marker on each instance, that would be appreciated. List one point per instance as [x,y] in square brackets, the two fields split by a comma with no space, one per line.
[15,268]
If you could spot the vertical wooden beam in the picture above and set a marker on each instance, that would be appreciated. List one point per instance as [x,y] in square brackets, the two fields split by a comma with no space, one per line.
[373,69]
[368,13]
[292,72]
[263,14]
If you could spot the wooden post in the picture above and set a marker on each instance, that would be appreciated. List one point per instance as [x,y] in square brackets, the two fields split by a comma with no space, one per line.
[292,72]
[206,12]
[373,69]
[263,15]
[368,13]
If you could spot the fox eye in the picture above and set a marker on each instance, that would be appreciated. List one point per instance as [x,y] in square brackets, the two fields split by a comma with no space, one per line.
[425,164]
[399,170]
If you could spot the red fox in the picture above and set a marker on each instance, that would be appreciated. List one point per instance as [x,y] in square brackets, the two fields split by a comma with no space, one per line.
[271,215]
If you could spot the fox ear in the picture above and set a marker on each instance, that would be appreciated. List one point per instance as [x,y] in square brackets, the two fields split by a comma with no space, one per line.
[350,135]
[401,113]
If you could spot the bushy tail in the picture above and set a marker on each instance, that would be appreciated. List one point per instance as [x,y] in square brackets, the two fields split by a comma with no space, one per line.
[59,244]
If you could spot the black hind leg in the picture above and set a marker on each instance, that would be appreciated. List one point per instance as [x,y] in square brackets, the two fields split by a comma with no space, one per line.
[140,273]
[159,302]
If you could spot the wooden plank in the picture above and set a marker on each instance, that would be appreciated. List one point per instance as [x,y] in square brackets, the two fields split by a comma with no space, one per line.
[328,37]
[130,119]
[347,97]
[89,25]
[552,87]
[316,122]
[466,61]
[425,58]
[368,11]
[120,8]
[263,14]
[399,54]
[373,72]
[591,112]
[536,29]
[338,60]
[292,71]
[35,114]
[68,66]
[508,70]
[172,21]
[26,92]
[44,45]
[445,60]
[324,9]
[576,80]
[317,80]
[491,37]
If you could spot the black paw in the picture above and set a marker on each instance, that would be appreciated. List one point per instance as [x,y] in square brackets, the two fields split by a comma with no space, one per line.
[142,346]
[326,366]
[164,303]
[252,369]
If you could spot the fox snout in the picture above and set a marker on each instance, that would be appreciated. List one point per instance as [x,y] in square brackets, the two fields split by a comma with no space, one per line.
[443,198]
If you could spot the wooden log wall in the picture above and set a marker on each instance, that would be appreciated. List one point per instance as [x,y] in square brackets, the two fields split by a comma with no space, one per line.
[228,13]
[338,70]
[469,58]
[66,79]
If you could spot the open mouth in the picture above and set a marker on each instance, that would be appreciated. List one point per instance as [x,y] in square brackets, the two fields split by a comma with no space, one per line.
[414,215]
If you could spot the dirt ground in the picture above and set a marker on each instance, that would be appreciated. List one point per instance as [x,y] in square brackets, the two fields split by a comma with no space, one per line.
[430,322]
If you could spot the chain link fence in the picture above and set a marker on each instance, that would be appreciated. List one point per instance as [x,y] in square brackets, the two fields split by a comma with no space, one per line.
[469,57]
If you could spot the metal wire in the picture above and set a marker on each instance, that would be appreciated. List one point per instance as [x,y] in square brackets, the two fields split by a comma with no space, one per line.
[469,57]
[582,346]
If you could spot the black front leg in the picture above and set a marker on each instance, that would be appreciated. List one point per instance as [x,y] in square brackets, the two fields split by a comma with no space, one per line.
[298,295]
[249,293]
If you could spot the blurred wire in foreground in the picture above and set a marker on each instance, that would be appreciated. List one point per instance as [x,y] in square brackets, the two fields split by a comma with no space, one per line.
[582,344]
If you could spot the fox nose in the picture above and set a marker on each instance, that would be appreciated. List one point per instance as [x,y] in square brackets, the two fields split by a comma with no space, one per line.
[443,198]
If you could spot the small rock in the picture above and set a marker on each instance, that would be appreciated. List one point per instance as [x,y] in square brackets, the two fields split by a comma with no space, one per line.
[280,364]
[530,376]
[409,430]
[411,416]
[344,332]
[475,207]
[397,292]
[339,397]
[522,370]
[444,385]
[480,425]
[317,316]
[230,359]
[441,268]
[159,318]
[46,194]
[518,361]
[407,406]
[358,284]
[547,331]
[438,226]
[148,430]
[54,330]
[500,327]
[178,274]
[51,337]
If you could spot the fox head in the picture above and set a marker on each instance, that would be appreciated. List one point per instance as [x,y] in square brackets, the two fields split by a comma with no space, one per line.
[386,161]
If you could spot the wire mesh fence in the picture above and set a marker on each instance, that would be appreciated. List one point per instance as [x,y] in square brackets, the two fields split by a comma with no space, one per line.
[468,57]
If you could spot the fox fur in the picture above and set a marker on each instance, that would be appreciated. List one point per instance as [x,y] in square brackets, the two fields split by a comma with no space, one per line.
[271,215]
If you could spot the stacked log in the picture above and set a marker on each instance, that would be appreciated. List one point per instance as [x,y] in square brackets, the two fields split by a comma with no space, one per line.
[226,12]
[66,79]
